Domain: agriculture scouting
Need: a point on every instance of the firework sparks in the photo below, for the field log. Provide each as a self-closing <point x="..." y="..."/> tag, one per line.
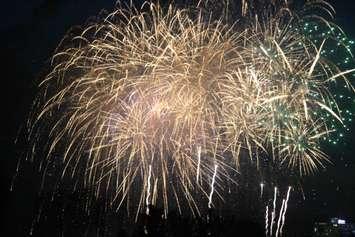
<point x="134" y="95"/>
<point x="212" y="186"/>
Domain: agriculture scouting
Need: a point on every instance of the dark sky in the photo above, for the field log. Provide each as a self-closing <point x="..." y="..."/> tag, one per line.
<point x="30" y="31"/>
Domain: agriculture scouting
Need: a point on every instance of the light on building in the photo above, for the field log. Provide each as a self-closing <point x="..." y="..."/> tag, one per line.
<point x="341" y="222"/>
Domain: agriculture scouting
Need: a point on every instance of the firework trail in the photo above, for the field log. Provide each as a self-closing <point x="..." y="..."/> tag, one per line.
<point x="285" y="209"/>
<point x="147" y="201"/>
<point x="212" y="186"/>
<point x="198" y="164"/>
<point x="273" y="213"/>
<point x="267" y="221"/>
<point x="261" y="190"/>
<point x="280" y="216"/>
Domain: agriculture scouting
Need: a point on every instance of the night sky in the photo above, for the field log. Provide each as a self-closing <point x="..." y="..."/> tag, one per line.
<point x="30" y="32"/>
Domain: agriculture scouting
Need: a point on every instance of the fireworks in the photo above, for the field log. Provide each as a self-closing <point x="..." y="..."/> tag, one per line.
<point x="281" y="219"/>
<point x="155" y="100"/>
